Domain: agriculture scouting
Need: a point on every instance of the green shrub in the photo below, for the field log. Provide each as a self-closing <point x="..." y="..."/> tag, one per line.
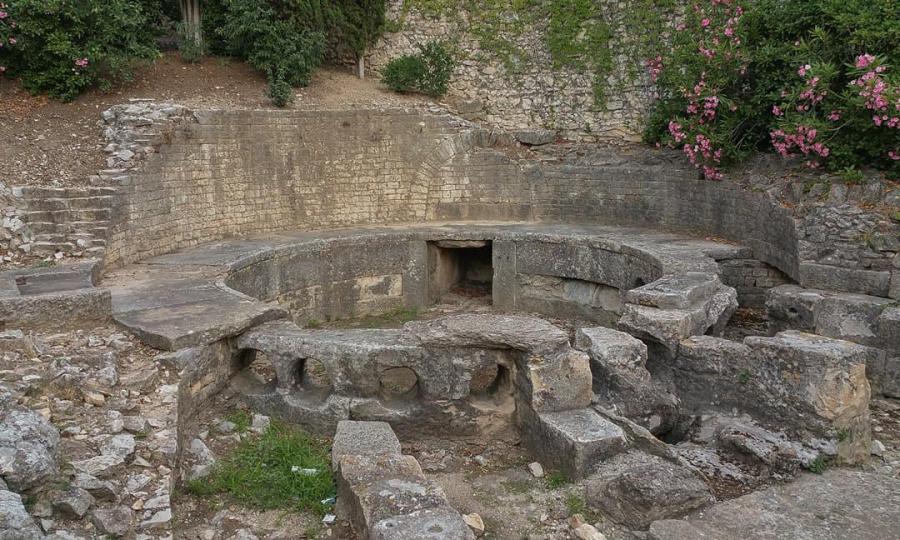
<point x="285" y="52"/>
<point x="404" y="73"/>
<point x="191" y="49"/>
<point x="62" y="47"/>
<point x="428" y="72"/>
<point x="792" y="75"/>
<point x="280" y="92"/>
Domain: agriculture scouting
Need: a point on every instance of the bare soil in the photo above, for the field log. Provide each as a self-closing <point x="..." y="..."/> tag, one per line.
<point x="47" y="142"/>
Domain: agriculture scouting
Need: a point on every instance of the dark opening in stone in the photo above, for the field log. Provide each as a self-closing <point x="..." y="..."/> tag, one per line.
<point x="460" y="270"/>
<point x="258" y="364"/>
<point x="398" y="382"/>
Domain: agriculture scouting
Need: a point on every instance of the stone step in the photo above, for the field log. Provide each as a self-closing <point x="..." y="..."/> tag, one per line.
<point x="71" y="203"/>
<point x="68" y="216"/>
<point x="43" y="192"/>
<point x="94" y="228"/>
<point x="49" y="248"/>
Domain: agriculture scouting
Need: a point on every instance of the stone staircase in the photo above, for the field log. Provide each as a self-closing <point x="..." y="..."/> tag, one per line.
<point x="70" y="220"/>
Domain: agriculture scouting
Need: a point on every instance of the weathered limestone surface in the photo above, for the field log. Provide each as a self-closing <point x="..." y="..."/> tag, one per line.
<point x="15" y="522"/>
<point x="59" y="298"/>
<point x="675" y="307"/>
<point x="384" y="494"/>
<point x="867" y="320"/>
<point x="806" y="383"/>
<point x="573" y="441"/>
<point x="841" y="503"/>
<point x="621" y="379"/>
<point x="28" y="445"/>
<point x="196" y="296"/>
<point x="636" y="490"/>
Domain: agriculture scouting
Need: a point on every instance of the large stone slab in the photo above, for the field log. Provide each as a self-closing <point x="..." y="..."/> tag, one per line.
<point x="194" y="323"/>
<point x="572" y="441"/>
<point x="529" y="334"/>
<point x="692" y="306"/>
<point x="363" y="439"/>
<point x="621" y="380"/>
<point x="837" y="505"/>
<point x="638" y="494"/>
<point x="384" y="494"/>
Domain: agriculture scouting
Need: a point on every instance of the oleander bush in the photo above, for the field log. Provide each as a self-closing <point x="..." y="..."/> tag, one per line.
<point x="62" y="47"/>
<point x="818" y="79"/>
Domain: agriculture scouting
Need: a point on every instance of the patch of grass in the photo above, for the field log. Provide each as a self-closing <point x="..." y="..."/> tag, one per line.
<point x="819" y="465"/>
<point x="556" y="479"/>
<point x="241" y="419"/>
<point x="575" y="504"/>
<point x="744" y="377"/>
<point x="843" y="434"/>
<point x="262" y="472"/>
<point x="517" y="486"/>
<point x="314" y="323"/>
<point x="388" y="319"/>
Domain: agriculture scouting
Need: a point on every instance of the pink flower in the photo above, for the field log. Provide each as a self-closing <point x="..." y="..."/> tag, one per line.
<point x="776" y="110"/>
<point x="705" y="23"/>
<point x="3" y="15"/>
<point x="834" y="116"/>
<point x="864" y="60"/>
<point x="894" y="155"/>
<point x="81" y="62"/>
<point x="12" y="41"/>
<point x="803" y="70"/>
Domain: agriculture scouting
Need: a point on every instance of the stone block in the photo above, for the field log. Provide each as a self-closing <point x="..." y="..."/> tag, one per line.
<point x="555" y="383"/>
<point x="363" y="439"/>
<point x="676" y="291"/>
<point x="668" y="327"/>
<point x="611" y="348"/>
<point x="640" y="495"/>
<point x="572" y="441"/>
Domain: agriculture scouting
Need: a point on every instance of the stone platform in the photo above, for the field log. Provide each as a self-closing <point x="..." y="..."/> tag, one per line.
<point x="216" y="290"/>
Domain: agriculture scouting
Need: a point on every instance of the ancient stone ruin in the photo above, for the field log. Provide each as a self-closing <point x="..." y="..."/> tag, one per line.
<point x="586" y="308"/>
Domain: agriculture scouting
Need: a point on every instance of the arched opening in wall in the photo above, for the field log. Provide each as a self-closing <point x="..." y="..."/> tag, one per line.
<point x="258" y="366"/>
<point x="398" y="383"/>
<point x="460" y="271"/>
<point x="491" y="388"/>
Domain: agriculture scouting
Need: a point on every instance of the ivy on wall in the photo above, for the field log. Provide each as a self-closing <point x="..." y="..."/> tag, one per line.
<point x="585" y="35"/>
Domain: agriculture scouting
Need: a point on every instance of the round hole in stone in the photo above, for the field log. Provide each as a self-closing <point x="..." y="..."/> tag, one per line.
<point x="258" y="364"/>
<point x="311" y="373"/>
<point x="398" y="381"/>
<point x="484" y="378"/>
<point x="489" y="380"/>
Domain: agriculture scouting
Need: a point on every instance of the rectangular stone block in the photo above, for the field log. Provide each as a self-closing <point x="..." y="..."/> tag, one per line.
<point x="363" y="439"/>
<point x="572" y="441"/>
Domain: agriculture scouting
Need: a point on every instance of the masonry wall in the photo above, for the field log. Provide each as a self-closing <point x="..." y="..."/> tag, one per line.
<point x="228" y="174"/>
<point x="534" y="94"/>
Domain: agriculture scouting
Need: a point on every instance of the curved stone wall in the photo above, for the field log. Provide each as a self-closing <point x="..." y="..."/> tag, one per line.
<point x="228" y="174"/>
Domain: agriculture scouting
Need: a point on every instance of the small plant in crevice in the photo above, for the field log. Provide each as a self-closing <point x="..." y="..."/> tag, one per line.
<point x="241" y="421"/>
<point x="280" y="468"/>
<point x="556" y="479"/>
<point x="429" y="71"/>
<point x="744" y="377"/>
<point x="818" y="465"/>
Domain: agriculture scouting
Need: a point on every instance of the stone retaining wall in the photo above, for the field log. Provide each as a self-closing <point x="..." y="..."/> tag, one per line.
<point x="226" y="174"/>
